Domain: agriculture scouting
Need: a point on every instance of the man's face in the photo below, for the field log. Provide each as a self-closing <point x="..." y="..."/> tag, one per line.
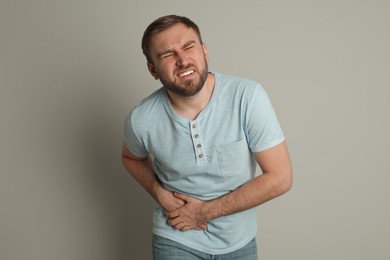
<point x="179" y="60"/>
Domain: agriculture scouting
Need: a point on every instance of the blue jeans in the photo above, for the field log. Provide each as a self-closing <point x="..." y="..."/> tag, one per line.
<point x="165" y="249"/>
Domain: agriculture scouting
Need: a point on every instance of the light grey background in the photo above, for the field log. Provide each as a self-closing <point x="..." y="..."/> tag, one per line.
<point x="71" y="70"/>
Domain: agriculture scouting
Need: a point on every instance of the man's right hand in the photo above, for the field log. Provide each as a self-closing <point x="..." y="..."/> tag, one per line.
<point x="167" y="200"/>
<point x="141" y="168"/>
<point x="169" y="203"/>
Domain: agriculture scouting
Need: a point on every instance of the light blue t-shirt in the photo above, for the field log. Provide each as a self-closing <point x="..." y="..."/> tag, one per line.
<point x="207" y="157"/>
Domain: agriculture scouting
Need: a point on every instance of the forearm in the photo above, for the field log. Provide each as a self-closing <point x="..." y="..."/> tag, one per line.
<point x="254" y="193"/>
<point x="142" y="171"/>
<point x="275" y="180"/>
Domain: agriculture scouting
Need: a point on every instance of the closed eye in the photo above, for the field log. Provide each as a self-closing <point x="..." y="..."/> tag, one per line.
<point x="189" y="45"/>
<point x="166" y="54"/>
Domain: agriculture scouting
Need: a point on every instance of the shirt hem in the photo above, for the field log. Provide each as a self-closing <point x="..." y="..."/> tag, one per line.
<point x="206" y="250"/>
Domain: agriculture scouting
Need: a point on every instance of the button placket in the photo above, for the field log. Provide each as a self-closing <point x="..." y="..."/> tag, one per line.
<point x="196" y="140"/>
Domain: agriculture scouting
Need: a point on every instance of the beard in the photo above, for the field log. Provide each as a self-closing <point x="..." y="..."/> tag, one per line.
<point x="188" y="87"/>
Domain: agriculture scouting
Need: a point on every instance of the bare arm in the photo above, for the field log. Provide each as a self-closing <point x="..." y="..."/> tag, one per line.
<point x="142" y="171"/>
<point x="275" y="180"/>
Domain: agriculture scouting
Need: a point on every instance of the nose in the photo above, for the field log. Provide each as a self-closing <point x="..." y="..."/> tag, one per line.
<point x="181" y="60"/>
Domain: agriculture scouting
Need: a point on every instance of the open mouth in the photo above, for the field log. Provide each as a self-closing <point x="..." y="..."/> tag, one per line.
<point x="186" y="73"/>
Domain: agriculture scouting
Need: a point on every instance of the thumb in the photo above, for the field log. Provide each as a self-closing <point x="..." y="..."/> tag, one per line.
<point x="203" y="227"/>
<point x="182" y="196"/>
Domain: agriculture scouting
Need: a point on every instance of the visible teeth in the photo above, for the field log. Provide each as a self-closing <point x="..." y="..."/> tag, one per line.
<point x="186" y="73"/>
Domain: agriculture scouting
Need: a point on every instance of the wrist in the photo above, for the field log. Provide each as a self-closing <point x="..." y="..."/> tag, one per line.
<point x="157" y="191"/>
<point x="212" y="209"/>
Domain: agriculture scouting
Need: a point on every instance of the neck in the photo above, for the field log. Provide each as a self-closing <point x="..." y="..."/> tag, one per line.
<point x="190" y="107"/>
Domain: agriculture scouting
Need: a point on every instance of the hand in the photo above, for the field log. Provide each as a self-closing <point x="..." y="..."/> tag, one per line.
<point x="168" y="201"/>
<point x="190" y="216"/>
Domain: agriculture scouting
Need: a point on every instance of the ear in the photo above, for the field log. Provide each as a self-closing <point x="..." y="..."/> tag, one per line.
<point x="206" y="53"/>
<point x="152" y="70"/>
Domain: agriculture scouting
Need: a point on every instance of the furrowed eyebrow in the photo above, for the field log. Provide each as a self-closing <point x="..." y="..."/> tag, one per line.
<point x="188" y="44"/>
<point x="170" y="51"/>
<point x="161" y="54"/>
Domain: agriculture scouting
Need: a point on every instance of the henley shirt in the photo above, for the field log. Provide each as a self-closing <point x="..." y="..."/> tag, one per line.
<point x="207" y="157"/>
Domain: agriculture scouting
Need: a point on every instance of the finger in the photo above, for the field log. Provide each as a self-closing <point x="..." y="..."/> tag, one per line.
<point x="186" y="228"/>
<point x="174" y="221"/>
<point x="182" y="197"/>
<point x="179" y="202"/>
<point x="181" y="226"/>
<point x="203" y="227"/>
<point x="172" y="214"/>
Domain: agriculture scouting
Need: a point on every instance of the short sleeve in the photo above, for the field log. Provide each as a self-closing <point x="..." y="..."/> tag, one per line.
<point x="132" y="140"/>
<point x="262" y="127"/>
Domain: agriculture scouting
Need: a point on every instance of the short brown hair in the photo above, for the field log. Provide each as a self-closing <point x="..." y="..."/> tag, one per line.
<point x="162" y="24"/>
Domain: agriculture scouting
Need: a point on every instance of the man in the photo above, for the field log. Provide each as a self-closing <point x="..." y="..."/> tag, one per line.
<point x="194" y="145"/>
